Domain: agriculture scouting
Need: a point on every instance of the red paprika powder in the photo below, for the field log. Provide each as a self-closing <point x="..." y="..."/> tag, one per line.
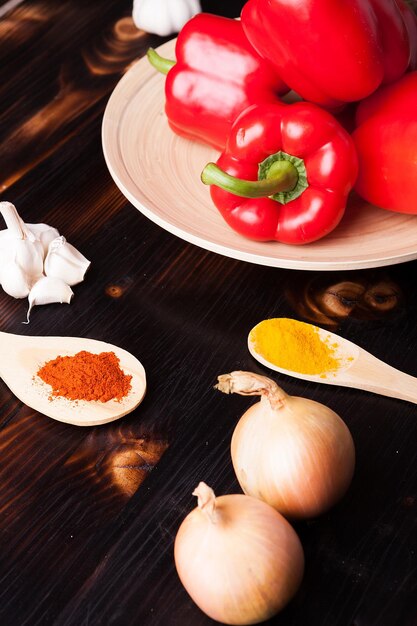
<point x="86" y="376"/>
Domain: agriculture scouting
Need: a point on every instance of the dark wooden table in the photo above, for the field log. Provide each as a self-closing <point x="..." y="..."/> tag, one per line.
<point x="88" y="516"/>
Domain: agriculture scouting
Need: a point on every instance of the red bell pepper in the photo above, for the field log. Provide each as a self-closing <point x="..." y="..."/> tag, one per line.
<point x="217" y="75"/>
<point x="399" y="99"/>
<point x="386" y="143"/>
<point x="330" y="51"/>
<point x="285" y="174"/>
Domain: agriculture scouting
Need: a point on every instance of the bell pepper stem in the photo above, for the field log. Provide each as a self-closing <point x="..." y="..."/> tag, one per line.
<point x="159" y="63"/>
<point x="282" y="176"/>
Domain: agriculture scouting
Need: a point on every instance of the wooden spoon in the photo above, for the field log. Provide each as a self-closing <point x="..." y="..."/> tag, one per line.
<point x="21" y="357"/>
<point x="357" y="368"/>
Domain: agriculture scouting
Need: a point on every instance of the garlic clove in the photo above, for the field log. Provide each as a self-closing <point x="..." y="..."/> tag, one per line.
<point x="29" y="256"/>
<point x="28" y="252"/>
<point x="65" y="261"/>
<point x="43" y="233"/>
<point x="7" y="246"/>
<point x="13" y="280"/>
<point x="48" y="290"/>
<point x="4" y="237"/>
<point x="21" y="255"/>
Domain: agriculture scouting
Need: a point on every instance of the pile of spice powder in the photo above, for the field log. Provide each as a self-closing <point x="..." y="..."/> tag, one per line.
<point x="86" y="376"/>
<point x="294" y="346"/>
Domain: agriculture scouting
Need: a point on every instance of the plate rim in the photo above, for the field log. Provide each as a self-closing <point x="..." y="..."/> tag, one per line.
<point x="109" y="136"/>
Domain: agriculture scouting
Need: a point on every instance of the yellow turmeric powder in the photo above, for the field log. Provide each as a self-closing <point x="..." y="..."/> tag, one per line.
<point x="294" y="346"/>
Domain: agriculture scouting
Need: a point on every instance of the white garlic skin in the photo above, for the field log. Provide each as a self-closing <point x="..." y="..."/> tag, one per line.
<point x="44" y="233"/>
<point x="36" y="261"/>
<point x="13" y="280"/>
<point x="29" y="256"/>
<point x="163" y="17"/>
<point x="65" y="262"/>
<point x="48" y="290"/>
<point x="21" y="265"/>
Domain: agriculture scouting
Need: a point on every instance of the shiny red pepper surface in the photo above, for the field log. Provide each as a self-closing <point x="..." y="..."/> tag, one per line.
<point x="399" y="99"/>
<point x="217" y="75"/>
<point x="386" y="143"/>
<point x="330" y="51"/>
<point x="323" y="154"/>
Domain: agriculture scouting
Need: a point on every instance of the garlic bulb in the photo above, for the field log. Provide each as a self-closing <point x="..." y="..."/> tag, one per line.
<point x="31" y="252"/>
<point x="22" y="254"/>
<point x="238" y="558"/>
<point x="163" y="17"/>
<point x="294" y="453"/>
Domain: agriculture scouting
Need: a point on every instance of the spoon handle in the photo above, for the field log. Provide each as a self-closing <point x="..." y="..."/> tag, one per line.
<point x="5" y="347"/>
<point x="374" y="375"/>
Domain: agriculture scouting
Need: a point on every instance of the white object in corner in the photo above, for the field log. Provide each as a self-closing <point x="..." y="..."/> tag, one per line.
<point x="163" y="17"/>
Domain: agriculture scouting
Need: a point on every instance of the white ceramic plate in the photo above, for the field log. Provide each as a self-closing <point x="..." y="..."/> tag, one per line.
<point x="159" y="173"/>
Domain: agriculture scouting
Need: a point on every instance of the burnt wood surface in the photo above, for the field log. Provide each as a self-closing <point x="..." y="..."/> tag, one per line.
<point x="88" y="516"/>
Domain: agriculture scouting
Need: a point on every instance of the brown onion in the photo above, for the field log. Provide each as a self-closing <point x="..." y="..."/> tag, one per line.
<point x="294" y="453"/>
<point x="238" y="558"/>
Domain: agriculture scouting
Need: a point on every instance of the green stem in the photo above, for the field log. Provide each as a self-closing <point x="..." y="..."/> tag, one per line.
<point x="159" y="63"/>
<point x="282" y="176"/>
